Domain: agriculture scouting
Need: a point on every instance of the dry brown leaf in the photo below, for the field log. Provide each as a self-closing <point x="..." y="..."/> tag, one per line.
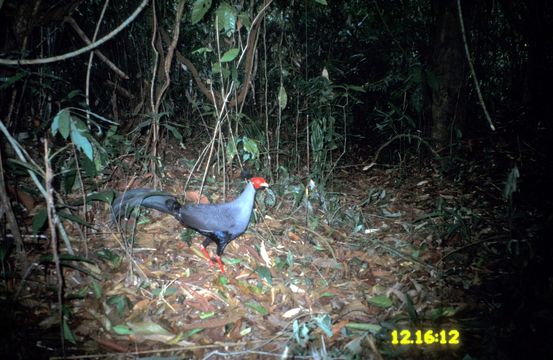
<point x="338" y="327"/>
<point x="231" y="317"/>
<point x="194" y="197"/>
<point x="326" y="263"/>
<point x="293" y="236"/>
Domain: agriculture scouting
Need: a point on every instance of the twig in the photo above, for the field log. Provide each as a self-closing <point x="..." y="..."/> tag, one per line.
<point x="170" y="54"/>
<point x="408" y="136"/>
<point x="473" y="73"/>
<point x="87" y="41"/>
<point x="20" y="154"/>
<point x="50" y="208"/>
<point x="324" y="239"/>
<point x="81" y="50"/>
<point x="400" y="253"/>
<point x="12" y="221"/>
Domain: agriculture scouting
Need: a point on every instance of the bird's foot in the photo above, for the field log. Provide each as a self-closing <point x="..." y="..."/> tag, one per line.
<point x="220" y="264"/>
<point x="204" y="251"/>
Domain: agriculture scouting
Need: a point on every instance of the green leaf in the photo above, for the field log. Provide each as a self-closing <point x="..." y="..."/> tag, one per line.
<point x="232" y="151"/>
<point x="105" y="196"/>
<point x="372" y="328"/>
<point x="264" y="274"/>
<point x="97" y="288"/>
<point x="122" y="329"/>
<point x="170" y="291"/>
<point x="207" y="314"/>
<point x="324" y="322"/>
<point x="356" y="88"/>
<point x="250" y="146"/>
<point x="81" y="142"/>
<point x="193" y="332"/>
<point x="245" y="19"/>
<point x="176" y="134"/>
<point x="327" y="294"/>
<point x="65" y="123"/>
<point x="223" y="280"/>
<point x="226" y="16"/>
<point x="282" y="98"/>
<point x="39" y="220"/>
<point x="120" y="302"/>
<point x="259" y="308"/>
<point x="230" y="55"/>
<point x="202" y="50"/>
<point x="199" y="9"/>
<point x="322" y="2"/>
<point x="381" y="301"/>
<point x="75" y="218"/>
<point x="61" y="123"/>
<point x="68" y="334"/>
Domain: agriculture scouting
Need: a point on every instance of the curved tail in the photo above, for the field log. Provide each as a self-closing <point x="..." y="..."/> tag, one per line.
<point x="149" y="198"/>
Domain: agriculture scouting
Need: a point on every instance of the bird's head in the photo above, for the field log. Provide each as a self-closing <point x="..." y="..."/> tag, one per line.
<point x="259" y="183"/>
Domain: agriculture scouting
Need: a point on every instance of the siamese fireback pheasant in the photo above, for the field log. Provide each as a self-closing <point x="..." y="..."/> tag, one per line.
<point x="219" y="223"/>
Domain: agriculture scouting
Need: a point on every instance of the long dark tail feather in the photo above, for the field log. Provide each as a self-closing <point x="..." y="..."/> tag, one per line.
<point x="149" y="198"/>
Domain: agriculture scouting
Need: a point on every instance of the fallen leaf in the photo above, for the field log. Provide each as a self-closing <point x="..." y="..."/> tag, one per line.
<point x="291" y="313"/>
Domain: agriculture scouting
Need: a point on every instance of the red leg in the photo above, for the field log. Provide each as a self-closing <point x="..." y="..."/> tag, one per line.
<point x="220" y="264"/>
<point x="204" y="251"/>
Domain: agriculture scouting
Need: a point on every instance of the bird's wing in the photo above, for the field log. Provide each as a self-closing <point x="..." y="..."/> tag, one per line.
<point x="208" y="218"/>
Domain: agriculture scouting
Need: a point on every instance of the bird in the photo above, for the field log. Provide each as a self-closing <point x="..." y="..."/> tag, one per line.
<point x="219" y="223"/>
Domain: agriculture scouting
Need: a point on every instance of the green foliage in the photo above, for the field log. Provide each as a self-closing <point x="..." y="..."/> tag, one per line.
<point x="121" y="303"/>
<point x="229" y="55"/>
<point x="381" y="301"/>
<point x="111" y="257"/>
<point x="246" y="148"/>
<point x="199" y="9"/>
<point x="226" y="16"/>
<point x="67" y="333"/>
<point x="264" y="274"/>
<point x="282" y="98"/>
<point x="511" y="183"/>
<point x="303" y="332"/>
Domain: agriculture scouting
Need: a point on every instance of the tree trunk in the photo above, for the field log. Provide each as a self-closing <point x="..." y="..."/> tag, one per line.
<point x="449" y="69"/>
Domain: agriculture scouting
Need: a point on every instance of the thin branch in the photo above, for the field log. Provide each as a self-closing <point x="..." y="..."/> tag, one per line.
<point x="170" y="54"/>
<point x="100" y="54"/>
<point x="401" y="136"/>
<point x="92" y="46"/>
<point x="11" y="220"/>
<point x="473" y="73"/>
<point x="52" y="219"/>
<point x="20" y="154"/>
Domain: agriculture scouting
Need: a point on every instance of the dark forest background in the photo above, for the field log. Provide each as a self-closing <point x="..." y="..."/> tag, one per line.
<point x="297" y="91"/>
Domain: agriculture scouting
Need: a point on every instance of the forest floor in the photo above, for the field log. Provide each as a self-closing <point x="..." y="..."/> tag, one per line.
<point x="382" y="251"/>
